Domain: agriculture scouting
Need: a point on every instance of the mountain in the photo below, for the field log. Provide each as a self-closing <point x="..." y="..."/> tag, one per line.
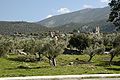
<point x="87" y="27"/>
<point x="84" y="20"/>
<point x="83" y="16"/>
<point x="20" y="27"/>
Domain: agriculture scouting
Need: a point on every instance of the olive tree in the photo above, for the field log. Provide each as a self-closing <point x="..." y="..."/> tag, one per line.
<point x="34" y="47"/>
<point x="116" y="48"/>
<point x="79" y="41"/>
<point x="5" y="47"/>
<point x="51" y="50"/>
<point x="93" y="50"/>
<point x="113" y="53"/>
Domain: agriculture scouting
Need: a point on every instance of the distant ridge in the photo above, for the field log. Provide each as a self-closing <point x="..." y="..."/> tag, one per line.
<point x="82" y="16"/>
<point x="11" y="27"/>
<point x="84" y="20"/>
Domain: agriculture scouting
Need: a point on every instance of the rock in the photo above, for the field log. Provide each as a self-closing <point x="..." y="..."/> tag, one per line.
<point x="71" y="63"/>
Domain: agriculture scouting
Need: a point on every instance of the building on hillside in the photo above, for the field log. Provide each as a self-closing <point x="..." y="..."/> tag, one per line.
<point x="97" y="31"/>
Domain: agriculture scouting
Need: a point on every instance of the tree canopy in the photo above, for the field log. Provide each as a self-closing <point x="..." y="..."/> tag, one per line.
<point x="114" y="15"/>
<point x="79" y="41"/>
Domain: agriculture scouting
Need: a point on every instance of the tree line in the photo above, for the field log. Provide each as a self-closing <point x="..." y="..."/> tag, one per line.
<point x="50" y="48"/>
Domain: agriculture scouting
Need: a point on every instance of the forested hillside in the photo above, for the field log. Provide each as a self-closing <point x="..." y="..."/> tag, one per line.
<point x="20" y="27"/>
<point x="88" y="27"/>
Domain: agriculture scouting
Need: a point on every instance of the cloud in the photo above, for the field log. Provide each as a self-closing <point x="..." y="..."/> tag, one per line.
<point x="63" y="10"/>
<point x="49" y="16"/>
<point x="104" y="1"/>
<point x="87" y="6"/>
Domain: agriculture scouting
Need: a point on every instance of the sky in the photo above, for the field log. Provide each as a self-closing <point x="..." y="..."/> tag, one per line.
<point x="36" y="10"/>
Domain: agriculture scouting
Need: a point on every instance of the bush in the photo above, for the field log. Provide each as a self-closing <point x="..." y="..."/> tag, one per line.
<point x="5" y="47"/>
<point x="28" y="58"/>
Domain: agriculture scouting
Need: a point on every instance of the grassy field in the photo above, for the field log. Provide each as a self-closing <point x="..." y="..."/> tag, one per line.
<point x="66" y="65"/>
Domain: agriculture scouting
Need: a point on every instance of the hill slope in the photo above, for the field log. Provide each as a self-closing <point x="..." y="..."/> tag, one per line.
<point x="88" y="27"/>
<point x="21" y="27"/>
<point x="85" y="20"/>
<point x="82" y="16"/>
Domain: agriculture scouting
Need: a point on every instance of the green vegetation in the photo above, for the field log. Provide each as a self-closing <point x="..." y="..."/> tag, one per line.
<point x="29" y="51"/>
<point x="51" y="50"/>
<point x="10" y="28"/>
<point x="115" y="13"/>
<point x="35" y="56"/>
<point x="79" y="41"/>
<point x="86" y="27"/>
<point x="99" y="65"/>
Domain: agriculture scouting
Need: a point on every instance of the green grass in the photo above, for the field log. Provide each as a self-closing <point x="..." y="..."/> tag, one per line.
<point x="98" y="65"/>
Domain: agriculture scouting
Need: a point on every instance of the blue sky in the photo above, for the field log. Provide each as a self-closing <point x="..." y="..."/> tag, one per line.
<point x="36" y="10"/>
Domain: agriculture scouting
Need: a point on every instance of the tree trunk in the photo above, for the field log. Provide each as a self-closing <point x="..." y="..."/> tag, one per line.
<point x="112" y="56"/>
<point x="90" y="58"/>
<point x="40" y="57"/>
<point x="50" y="62"/>
<point x="54" y="61"/>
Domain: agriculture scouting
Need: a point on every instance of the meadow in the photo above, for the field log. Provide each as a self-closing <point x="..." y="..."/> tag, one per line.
<point x="66" y="65"/>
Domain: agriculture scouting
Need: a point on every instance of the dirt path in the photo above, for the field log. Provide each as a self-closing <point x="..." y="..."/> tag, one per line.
<point x="68" y="77"/>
